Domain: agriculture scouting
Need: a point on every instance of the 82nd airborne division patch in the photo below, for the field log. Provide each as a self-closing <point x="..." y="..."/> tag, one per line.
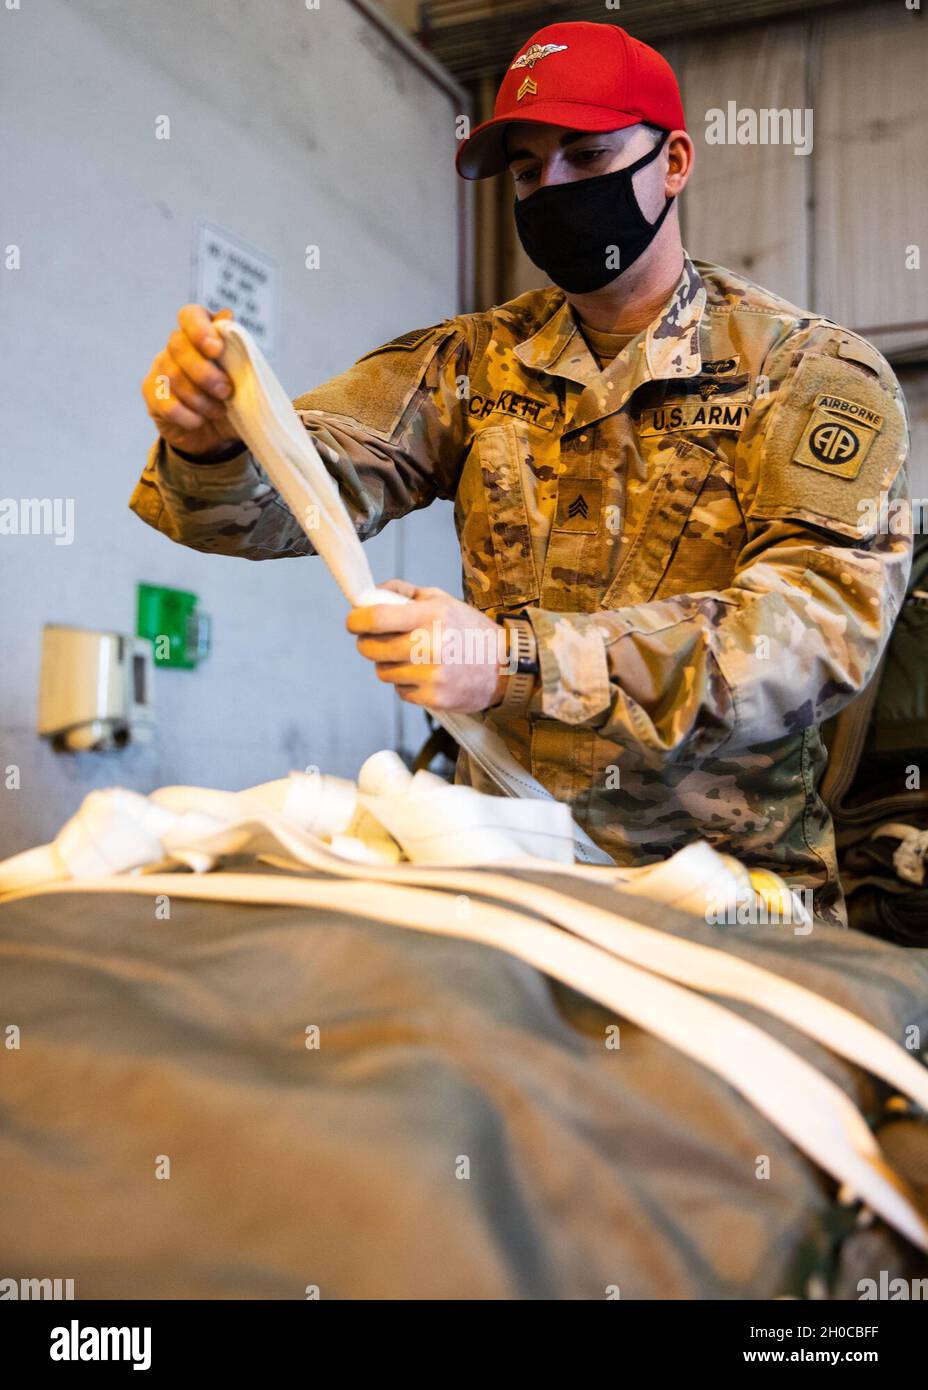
<point x="838" y="436"/>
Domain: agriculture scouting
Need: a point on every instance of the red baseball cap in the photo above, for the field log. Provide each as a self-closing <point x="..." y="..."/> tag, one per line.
<point x="581" y="75"/>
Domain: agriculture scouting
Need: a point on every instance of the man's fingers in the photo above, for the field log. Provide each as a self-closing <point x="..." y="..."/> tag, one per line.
<point x="401" y="586"/>
<point x="403" y="673"/>
<point x="389" y="617"/>
<point x="413" y="695"/>
<point x="187" y="391"/>
<point x="387" y="647"/>
<point x="170" y="407"/>
<point x="172" y="412"/>
<point x="205" y="374"/>
<point x="197" y="323"/>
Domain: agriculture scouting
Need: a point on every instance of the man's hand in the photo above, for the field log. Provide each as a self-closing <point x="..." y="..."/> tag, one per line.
<point x="436" y="650"/>
<point x="186" y="391"/>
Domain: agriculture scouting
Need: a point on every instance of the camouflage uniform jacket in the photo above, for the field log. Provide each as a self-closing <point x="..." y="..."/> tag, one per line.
<point x="695" y="534"/>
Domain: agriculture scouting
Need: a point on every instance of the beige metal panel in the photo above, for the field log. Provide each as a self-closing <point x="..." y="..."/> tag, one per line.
<point x="746" y="204"/>
<point x="871" y="109"/>
<point x="403" y="12"/>
<point x="474" y="38"/>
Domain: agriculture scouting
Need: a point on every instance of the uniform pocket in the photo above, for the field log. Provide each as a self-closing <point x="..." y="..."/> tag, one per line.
<point x="682" y="467"/>
<point x="492" y="523"/>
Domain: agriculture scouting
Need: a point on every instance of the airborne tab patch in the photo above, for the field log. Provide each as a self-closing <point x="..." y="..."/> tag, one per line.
<point x="838" y="436"/>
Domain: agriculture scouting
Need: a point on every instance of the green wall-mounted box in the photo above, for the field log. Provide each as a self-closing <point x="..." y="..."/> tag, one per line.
<point x="177" y="630"/>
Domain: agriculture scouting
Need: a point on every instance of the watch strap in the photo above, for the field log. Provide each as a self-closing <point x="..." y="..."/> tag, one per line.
<point x="523" y="666"/>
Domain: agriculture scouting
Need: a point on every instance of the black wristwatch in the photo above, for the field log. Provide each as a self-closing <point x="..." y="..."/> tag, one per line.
<point x="520" y="679"/>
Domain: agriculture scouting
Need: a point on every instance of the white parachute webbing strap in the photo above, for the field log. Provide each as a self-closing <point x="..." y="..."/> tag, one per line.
<point x="117" y="831"/>
<point x="689" y="963"/>
<point x="805" y="1105"/>
<point x="264" y="417"/>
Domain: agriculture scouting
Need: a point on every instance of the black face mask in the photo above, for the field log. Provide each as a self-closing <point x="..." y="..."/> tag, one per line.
<point x="568" y="228"/>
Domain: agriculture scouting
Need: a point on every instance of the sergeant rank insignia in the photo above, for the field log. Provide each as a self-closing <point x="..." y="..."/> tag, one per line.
<point x="579" y="503"/>
<point x="528" y="59"/>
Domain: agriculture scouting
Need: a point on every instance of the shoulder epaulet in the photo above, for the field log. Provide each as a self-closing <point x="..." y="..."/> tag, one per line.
<point x="376" y="394"/>
<point x="858" y="350"/>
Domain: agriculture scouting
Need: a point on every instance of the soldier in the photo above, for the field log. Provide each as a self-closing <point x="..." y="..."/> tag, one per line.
<point x="664" y="480"/>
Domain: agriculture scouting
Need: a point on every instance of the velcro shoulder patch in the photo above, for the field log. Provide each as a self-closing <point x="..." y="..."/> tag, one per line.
<point x="377" y="390"/>
<point x="833" y="442"/>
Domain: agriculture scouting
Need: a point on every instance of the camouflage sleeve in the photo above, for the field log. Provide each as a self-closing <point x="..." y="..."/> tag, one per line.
<point x="818" y="583"/>
<point x="390" y="430"/>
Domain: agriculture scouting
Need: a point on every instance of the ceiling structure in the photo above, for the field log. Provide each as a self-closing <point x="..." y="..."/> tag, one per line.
<point x="477" y="38"/>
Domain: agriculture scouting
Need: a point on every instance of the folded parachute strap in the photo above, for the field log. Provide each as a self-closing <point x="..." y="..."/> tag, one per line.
<point x="116" y="831"/>
<point x="264" y="417"/>
<point x="701" y="967"/>
<point x="198" y="826"/>
<point x="804" y="1104"/>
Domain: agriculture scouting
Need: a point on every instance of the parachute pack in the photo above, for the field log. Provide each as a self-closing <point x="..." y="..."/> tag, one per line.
<point x="876" y="783"/>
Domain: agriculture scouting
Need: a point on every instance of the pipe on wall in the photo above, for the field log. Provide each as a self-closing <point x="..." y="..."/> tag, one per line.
<point x="436" y="74"/>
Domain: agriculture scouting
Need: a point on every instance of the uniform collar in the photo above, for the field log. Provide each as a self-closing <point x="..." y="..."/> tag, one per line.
<point x="668" y="349"/>
<point x="546" y="350"/>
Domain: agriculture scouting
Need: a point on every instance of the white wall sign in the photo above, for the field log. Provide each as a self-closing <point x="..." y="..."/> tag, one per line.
<point x="230" y="274"/>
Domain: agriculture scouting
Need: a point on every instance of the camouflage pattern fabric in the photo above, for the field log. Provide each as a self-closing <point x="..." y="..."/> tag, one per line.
<point x="697" y="532"/>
